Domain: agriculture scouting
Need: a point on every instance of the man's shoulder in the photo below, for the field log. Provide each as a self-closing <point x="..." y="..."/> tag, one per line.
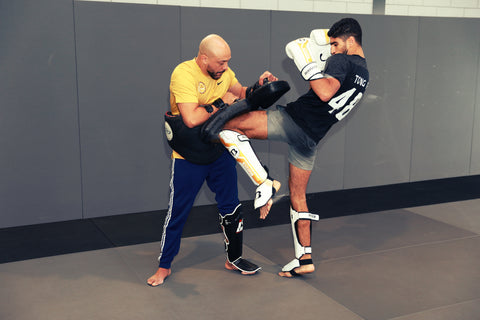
<point x="345" y="63"/>
<point x="358" y="60"/>
<point x="185" y="72"/>
<point x="185" y="66"/>
<point x="346" y="58"/>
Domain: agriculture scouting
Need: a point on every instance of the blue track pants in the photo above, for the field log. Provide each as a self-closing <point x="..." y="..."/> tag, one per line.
<point x="185" y="183"/>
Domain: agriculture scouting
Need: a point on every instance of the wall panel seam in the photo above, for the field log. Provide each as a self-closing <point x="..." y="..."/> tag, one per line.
<point x="82" y="198"/>
<point x="476" y="104"/>
<point x="414" y="103"/>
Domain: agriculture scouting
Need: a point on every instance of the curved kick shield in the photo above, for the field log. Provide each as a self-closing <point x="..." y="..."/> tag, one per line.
<point x="212" y="127"/>
<point x="188" y="143"/>
<point x="263" y="97"/>
<point x="268" y="94"/>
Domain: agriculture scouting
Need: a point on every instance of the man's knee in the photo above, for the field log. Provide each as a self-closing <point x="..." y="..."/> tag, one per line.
<point x="235" y="124"/>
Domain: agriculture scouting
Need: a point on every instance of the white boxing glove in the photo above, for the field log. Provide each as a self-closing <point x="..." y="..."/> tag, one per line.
<point x="320" y="47"/>
<point x="300" y="52"/>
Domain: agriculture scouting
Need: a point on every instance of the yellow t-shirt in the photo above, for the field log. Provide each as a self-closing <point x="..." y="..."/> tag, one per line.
<point x="188" y="84"/>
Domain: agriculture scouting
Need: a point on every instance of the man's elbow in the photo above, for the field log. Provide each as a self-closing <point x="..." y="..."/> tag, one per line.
<point x="325" y="97"/>
<point x="191" y="123"/>
<point x="326" y="88"/>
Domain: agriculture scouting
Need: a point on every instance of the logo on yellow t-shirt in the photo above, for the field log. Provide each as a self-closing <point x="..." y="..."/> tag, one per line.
<point x="201" y="87"/>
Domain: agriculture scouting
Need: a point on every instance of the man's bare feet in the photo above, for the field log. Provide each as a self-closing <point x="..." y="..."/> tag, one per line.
<point x="230" y="266"/>
<point x="303" y="269"/>
<point x="266" y="208"/>
<point x="159" y="277"/>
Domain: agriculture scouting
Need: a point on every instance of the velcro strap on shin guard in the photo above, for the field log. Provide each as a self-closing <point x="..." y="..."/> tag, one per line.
<point x="308" y="216"/>
<point x="215" y="123"/>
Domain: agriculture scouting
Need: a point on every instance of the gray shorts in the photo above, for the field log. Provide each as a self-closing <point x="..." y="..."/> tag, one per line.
<point x="302" y="149"/>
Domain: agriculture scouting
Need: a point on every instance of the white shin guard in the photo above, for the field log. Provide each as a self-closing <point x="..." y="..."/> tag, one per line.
<point x="299" y="249"/>
<point x="263" y="193"/>
<point x="239" y="147"/>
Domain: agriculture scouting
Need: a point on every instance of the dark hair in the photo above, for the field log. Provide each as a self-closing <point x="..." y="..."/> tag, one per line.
<point x="346" y="28"/>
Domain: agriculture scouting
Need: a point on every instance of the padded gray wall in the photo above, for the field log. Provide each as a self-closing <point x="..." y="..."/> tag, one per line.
<point x="125" y="53"/>
<point x="379" y="133"/>
<point x="39" y="152"/>
<point x="99" y="149"/>
<point x="475" y="161"/>
<point x="445" y="94"/>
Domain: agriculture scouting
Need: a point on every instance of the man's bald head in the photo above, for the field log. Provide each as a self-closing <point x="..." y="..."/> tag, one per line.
<point x="214" y="46"/>
<point x="213" y="56"/>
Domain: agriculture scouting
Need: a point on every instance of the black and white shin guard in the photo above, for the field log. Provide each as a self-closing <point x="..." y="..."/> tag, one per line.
<point x="232" y="226"/>
<point x="299" y="249"/>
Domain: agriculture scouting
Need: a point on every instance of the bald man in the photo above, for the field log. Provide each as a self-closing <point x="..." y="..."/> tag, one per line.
<point x="199" y="88"/>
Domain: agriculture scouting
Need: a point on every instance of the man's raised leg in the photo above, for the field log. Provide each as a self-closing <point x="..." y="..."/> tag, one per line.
<point x="236" y="133"/>
<point x="239" y="147"/>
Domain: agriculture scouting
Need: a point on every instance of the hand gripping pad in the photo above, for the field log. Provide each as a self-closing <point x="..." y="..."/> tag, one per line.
<point x="263" y="97"/>
<point x="212" y="127"/>
<point x="268" y="94"/>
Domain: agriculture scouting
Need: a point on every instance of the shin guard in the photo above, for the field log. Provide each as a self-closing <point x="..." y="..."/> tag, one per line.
<point x="300" y="250"/>
<point x="232" y="226"/>
<point x="239" y="147"/>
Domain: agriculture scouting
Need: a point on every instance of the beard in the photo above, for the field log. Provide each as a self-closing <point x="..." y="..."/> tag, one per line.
<point x="215" y="75"/>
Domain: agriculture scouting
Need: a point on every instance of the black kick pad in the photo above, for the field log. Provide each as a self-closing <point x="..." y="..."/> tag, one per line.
<point x="268" y="94"/>
<point x="263" y="97"/>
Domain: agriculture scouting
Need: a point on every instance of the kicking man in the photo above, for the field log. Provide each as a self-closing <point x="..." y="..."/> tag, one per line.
<point x="336" y="86"/>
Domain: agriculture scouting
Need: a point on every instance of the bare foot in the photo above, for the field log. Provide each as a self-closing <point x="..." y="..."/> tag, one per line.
<point x="159" y="277"/>
<point x="266" y="208"/>
<point x="230" y="266"/>
<point x="305" y="269"/>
